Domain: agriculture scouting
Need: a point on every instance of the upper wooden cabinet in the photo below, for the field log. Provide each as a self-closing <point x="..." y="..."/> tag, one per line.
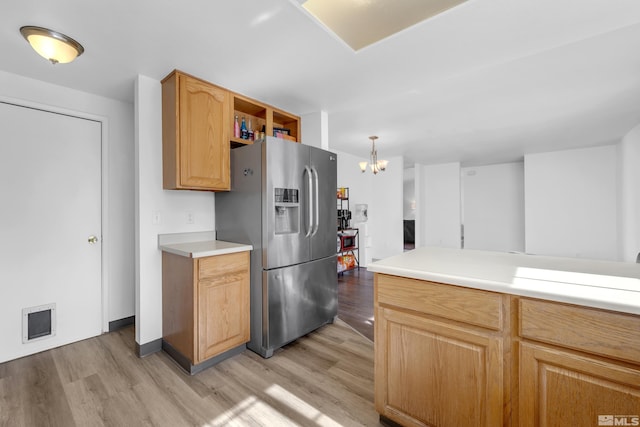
<point x="197" y="131"/>
<point x="195" y="134"/>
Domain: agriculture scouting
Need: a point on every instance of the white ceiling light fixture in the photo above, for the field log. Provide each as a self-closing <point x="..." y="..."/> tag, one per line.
<point x="376" y="165"/>
<point x="56" y="47"/>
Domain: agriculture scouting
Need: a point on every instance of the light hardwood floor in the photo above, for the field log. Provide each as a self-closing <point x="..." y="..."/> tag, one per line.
<point x="322" y="379"/>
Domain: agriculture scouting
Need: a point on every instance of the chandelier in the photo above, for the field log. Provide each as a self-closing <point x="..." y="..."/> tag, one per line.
<point x="376" y="165"/>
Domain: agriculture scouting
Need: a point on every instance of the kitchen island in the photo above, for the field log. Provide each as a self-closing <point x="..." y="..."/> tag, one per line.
<point x="466" y="337"/>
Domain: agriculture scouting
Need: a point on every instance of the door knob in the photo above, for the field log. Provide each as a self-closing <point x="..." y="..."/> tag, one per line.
<point x="92" y="239"/>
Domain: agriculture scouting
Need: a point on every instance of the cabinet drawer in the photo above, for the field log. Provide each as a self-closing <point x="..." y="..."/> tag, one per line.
<point x="591" y="330"/>
<point x="222" y="264"/>
<point x="476" y="307"/>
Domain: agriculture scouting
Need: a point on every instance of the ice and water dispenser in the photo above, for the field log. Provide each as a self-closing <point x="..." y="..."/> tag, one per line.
<point x="287" y="215"/>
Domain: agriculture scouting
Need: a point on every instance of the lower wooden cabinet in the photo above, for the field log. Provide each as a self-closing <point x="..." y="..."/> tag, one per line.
<point x="450" y="356"/>
<point x="578" y="365"/>
<point x="432" y="373"/>
<point x="223" y="304"/>
<point x="205" y="305"/>
<point x="560" y="388"/>
<point x="447" y="369"/>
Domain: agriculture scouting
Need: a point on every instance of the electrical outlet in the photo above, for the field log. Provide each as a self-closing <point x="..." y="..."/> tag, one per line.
<point x="156" y="218"/>
<point x="191" y="219"/>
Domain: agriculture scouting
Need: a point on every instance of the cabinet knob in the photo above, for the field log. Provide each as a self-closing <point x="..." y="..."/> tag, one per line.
<point x="92" y="239"/>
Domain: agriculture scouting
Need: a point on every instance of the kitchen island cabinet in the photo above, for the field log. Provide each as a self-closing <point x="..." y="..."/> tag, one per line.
<point x="453" y="355"/>
<point x="577" y="364"/>
<point x="441" y="353"/>
<point x="480" y="338"/>
<point x="205" y="303"/>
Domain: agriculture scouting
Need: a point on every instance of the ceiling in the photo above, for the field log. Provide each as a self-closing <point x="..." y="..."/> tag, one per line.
<point x="484" y="82"/>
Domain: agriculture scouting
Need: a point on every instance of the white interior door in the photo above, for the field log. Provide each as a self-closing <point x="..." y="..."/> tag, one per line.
<point x="50" y="192"/>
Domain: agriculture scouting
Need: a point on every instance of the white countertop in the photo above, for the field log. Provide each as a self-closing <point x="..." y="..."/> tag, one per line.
<point x="602" y="284"/>
<point x="198" y="245"/>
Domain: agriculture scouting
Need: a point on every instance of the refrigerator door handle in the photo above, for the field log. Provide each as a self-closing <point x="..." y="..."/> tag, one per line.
<point x="316" y="223"/>
<point x="311" y="201"/>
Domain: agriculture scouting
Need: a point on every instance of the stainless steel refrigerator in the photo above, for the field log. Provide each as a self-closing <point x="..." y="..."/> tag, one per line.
<point x="282" y="201"/>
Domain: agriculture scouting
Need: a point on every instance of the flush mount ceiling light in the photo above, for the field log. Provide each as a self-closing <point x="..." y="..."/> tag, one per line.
<point x="52" y="45"/>
<point x="376" y="165"/>
<point x="360" y="23"/>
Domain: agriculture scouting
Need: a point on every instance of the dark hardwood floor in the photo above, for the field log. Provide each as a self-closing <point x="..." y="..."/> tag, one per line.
<point x="355" y="300"/>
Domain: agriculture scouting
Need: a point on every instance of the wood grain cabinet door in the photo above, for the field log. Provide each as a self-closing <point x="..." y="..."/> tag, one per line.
<point x="223" y="305"/>
<point x="437" y="374"/>
<point x="562" y="388"/>
<point x="203" y="135"/>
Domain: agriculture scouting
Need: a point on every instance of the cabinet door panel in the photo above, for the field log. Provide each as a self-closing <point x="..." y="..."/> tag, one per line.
<point x="559" y="388"/>
<point x="204" y="135"/>
<point x="223" y="314"/>
<point x="438" y="374"/>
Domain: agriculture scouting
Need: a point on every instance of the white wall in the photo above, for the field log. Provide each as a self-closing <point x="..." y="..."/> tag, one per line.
<point x="629" y="160"/>
<point x="359" y="185"/>
<point x="171" y="205"/>
<point x="385" y="210"/>
<point x="315" y="129"/>
<point x="382" y="235"/>
<point x="438" y="205"/>
<point x="118" y="233"/>
<point x="409" y="194"/>
<point x="493" y="207"/>
<point x="571" y="206"/>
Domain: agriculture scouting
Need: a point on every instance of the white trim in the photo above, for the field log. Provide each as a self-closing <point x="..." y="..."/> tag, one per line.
<point x="104" y="216"/>
<point x="104" y="123"/>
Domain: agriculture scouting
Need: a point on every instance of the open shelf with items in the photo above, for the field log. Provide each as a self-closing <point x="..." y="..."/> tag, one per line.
<point x="255" y="115"/>
<point x="262" y="118"/>
<point x="348" y="238"/>
<point x="348" y="252"/>
<point x="287" y="125"/>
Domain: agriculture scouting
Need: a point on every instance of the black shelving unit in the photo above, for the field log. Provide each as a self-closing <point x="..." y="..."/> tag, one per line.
<point x="348" y="238"/>
<point x="344" y="214"/>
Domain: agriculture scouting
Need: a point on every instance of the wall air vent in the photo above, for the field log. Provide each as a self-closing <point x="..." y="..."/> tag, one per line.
<point x="38" y="322"/>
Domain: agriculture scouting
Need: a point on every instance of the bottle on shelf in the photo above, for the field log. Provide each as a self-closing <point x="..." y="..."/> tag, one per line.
<point x="243" y="130"/>
<point x="250" y="131"/>
<point x="236" y="128"/>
